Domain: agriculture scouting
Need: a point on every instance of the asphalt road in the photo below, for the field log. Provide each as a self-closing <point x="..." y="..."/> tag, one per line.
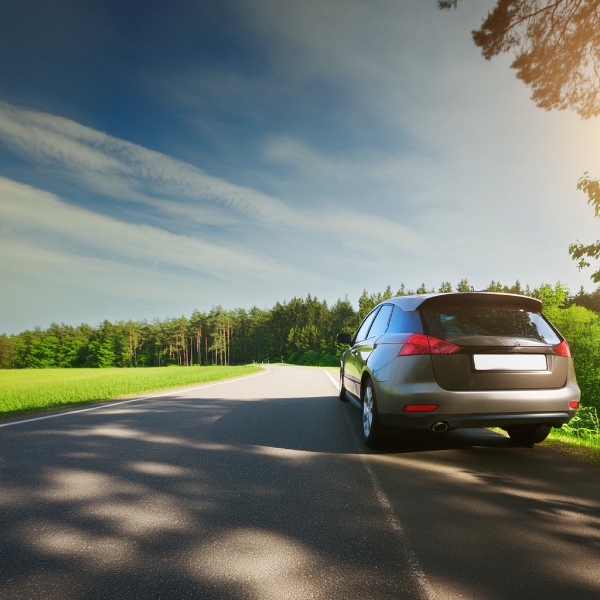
<point x="259" y="488"/>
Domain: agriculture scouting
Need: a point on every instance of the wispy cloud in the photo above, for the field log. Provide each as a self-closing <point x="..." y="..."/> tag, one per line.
<point x="35" y="215"/>
<point x="48" y="270"/>
<point x="124" y="170"/>
<point x="121" y="167"/>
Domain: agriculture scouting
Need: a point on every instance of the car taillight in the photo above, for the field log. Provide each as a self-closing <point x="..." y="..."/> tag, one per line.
<point x="563" y="349"/>
<point x="421" y="407"/>
<point x="442" y="346"/>
<point x="418" y="343"/>
<point x="574" y="404"/>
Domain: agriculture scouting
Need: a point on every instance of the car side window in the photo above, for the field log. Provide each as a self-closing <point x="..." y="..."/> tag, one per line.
<point x="380" y="324"/>
<point x="364" y="328"/>
<point x="402" y="321"/>
<point x="396" y="321"/>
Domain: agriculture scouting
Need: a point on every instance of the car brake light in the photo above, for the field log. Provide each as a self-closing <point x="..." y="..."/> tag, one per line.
<point x="418" y="343"/>
<point x="574" y="404"/>
<point x="563" y="349"/>
<point x="442" y="346"/>
<point x="421" y="407"/>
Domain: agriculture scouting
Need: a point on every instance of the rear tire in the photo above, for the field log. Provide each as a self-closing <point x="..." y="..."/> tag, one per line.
<point x="528" y="435"/>
<point x="372" y="429"/>
<point x="342" y="388"/>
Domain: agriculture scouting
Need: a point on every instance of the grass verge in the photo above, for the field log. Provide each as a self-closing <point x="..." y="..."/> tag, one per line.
<point x="28" y="391"/>
<point x="579" y="439"/>
<point x="582" y="449"/>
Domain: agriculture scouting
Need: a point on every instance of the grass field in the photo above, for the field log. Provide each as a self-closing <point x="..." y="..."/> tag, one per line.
<point x="25" y="391"/>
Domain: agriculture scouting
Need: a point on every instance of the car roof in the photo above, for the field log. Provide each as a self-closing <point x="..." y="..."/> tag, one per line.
<point x="495" y="298"/>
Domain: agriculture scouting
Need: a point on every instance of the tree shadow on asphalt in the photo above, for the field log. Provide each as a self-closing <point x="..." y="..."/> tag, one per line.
<point x="284" y="424"/>
<point x="262" y="499"/>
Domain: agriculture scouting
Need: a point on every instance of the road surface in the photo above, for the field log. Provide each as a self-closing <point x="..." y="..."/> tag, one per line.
<point x="258" y="488"/>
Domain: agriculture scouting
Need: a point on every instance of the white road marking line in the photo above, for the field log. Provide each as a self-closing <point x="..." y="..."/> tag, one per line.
<point x="409" y="556"/>
<point x="111" y="404"/>
<point x="330" y="377"/>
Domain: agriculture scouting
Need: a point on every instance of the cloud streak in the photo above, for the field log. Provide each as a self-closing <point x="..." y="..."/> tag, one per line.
<point x="38" y="216"/>
<point x="127" y="171"/>
<point x="97" y="156"/>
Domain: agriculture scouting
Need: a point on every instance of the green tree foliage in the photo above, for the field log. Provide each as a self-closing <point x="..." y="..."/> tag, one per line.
<point x="463" y="286"/>
<point x="591" y="301"/>
<point x="553" y="298"/>
<point x="556" y="44"/>
<point x="496" y="286"/>
<point x="581" y="329"/>
<point x="6" y="352"/>
<point x="581" y="252"/>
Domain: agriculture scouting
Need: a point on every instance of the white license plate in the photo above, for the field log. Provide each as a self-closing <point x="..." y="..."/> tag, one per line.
<point x="510" y="362"/>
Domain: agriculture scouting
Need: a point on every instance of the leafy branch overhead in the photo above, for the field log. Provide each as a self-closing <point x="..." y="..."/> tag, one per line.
<point x="578" y="251"/>
<point x="556" y="45"/>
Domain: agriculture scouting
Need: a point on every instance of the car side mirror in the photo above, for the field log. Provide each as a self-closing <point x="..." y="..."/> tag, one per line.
<point x="344" y="338"/>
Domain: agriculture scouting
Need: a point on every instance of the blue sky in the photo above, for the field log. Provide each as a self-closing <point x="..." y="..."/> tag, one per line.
<point x="159" y="157"/>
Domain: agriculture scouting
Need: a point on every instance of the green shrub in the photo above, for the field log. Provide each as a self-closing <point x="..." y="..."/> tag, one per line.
<point x="581" y="328"/>
<point x="585" y="424"/>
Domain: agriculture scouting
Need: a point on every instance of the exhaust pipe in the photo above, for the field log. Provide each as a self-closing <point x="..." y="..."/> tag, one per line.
<point x="439" y="427"/>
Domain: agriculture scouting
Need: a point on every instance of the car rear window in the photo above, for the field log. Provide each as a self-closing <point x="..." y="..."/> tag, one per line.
<point x="452" y="321"/>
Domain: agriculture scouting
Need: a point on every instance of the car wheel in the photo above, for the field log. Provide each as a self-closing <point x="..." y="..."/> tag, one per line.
<point x="372" y="428"/>
<point x="528" y="435"/>
<point x="342" y="388"/>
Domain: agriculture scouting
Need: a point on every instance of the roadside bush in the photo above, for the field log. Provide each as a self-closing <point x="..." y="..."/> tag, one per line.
<point x="581" y="328"/>
<point x="329" y="360"/>
<point x="313" y="358"/>
<point x="585" y="424"/>
<point x="309" y="358"/>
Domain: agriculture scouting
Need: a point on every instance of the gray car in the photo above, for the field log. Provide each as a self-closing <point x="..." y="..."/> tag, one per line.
<point x="445" y="361"/>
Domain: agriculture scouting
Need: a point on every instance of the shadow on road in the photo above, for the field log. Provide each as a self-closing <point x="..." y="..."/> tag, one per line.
<point x="284" y="423"/>
<point x="219" y="498"/>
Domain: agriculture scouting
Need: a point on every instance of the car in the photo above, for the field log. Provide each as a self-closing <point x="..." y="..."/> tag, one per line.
<point x="453" y="360"/>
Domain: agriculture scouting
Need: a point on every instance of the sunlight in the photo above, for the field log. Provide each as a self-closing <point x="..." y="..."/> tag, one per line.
<point x="99" y="552"/>
<point x="264" y="563"/>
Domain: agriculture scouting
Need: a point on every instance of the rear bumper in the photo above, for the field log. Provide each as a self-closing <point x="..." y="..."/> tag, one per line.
<point x="424" y="421"/>
<point x="467" y="408"/>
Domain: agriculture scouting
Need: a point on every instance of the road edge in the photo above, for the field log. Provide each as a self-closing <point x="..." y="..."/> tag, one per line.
<point x="111" y="403"/>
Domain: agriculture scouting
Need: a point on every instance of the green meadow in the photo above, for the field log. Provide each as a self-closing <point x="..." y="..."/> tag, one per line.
<point x="25" y="391"/>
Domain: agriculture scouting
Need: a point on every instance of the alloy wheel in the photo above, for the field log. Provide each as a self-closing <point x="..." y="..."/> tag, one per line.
<point x="368" y="411"/>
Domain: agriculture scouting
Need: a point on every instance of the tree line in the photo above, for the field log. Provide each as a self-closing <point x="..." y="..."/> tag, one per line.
<point x="301" y="331"/>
